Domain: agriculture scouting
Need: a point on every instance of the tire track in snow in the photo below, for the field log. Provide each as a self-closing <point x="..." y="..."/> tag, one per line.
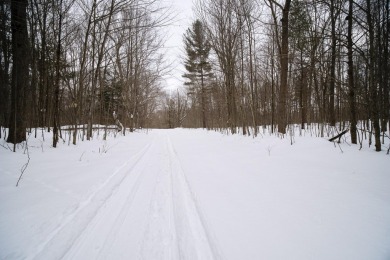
<point x="188" y="215"/>
<point x="188" y="235"/>
<point x="68" y="230"/>
<point x="107" y="223"/>
<point x="160" y="237"/>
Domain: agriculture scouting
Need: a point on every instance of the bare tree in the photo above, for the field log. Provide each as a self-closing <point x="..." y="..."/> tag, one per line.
<point x="283" y="54"/>
<point x="56" y="112"/>
<point x="5" y="62"/>
<point x="221" y="19"/>
<point x="351" y="82"/>
<point x="20" y="65"/>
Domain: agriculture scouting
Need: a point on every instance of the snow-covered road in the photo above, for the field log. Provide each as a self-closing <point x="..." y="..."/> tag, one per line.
<point x="194" y="194"/>
<point x="145" y="210"/>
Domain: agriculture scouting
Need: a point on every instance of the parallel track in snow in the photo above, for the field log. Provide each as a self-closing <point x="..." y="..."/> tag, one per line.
<point x="176" y="225"/>
<point x="108" y="222"/>
<point x="196" y="238"/>
<point x="68" y="232"/>
<point x="145" y="210"/>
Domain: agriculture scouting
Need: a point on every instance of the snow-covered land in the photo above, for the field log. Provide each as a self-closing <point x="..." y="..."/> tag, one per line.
<point x="194" y="194"/>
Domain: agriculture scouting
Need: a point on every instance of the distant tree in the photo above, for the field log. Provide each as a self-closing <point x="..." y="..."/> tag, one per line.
<point x="197" y="62"/>
<point x="175" y="106"/>
<point x="373" y="74"/>
<point x="283" y="54"/>
<point x="351" y="82"/>
<point x="17" y="129"/>
<point x="5" y="61"/>
<point x="284" y="70"/>
<point x="56" y="113"/>
<point x="223" y="31"/>
<point x="334" y="14"/>
<point x="299" y="34"/>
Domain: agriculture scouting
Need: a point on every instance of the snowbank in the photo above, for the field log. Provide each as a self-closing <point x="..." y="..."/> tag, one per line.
<point x="231" y="197"/>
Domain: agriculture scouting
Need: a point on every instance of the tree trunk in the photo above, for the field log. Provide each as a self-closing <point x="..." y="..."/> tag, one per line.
<point x="56" y="108"/>
<point x="203" y="97"/>
<point x="96" y="73"/>
<point x="17" y="128"/>
<point x="80" y="94"/>
<point x="351" y="84"/>
<point x="385" y="70"/>
<point x="372" y="80"/>
<point x="332" y="117"/>
<point x="4" y="67"/>
<point x="282" y="111"/>
<point x="302" y="93"/>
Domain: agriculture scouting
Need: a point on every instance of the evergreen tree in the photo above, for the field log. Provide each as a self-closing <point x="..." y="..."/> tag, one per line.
<point x="197" y="63"/>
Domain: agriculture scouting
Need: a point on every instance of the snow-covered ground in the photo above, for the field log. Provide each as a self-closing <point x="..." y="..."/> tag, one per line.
<point x="194" y="194"/>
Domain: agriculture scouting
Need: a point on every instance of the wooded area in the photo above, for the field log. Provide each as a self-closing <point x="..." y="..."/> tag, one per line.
<point x="78" y="63"/>
<point x="249" y="63"/>
<point x="279" y="63"/>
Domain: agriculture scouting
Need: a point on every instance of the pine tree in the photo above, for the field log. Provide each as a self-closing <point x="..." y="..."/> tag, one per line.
<point x="197" y="63"/>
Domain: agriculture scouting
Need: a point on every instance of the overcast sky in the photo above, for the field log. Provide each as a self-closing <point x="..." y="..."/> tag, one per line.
<point x="174" y="44"/>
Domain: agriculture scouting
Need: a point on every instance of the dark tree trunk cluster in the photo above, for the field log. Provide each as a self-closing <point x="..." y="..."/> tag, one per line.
<point x="73" y="63"/>
<point x="20" y="79"/>
<point x="299" y="62"/>
<point x="271" y="63"/>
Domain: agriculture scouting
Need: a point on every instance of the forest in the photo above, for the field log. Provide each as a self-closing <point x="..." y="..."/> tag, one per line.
<point x="249" y="64"/>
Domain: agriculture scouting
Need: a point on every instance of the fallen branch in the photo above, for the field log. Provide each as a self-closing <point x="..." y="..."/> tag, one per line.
<point x="93" y="128"/>
<point x="24" y="167"/>
<point x="6" y="146"/>
<point x="81" y="156"/>
<point x="338" y="136"/>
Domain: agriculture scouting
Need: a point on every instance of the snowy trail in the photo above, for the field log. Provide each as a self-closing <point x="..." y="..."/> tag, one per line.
<point x="195" y="194"/>
<point x="145" y="210"/>
<point x="194" y="231"/>
<point x="89" y="211"/>
<point x="176" y="224"/>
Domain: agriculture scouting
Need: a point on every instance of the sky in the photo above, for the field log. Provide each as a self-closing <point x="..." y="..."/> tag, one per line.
<point x="174" y="49"/>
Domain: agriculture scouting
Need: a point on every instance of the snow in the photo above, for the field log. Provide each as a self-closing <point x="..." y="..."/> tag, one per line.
<point x="194" y="194"/>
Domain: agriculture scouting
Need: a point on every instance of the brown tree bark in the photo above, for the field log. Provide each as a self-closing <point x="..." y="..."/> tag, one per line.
<point x="332" y="117"/>
<point x="284" y="71"/>
<point x="20" y="81"/>
<point x="56" y="108"/>
<point x="5" y="55"/>
<point x="372" y="79"/>
<point x="385" y="68"/>
<point x="283" y="52"/>
<point x="351" y="83"/>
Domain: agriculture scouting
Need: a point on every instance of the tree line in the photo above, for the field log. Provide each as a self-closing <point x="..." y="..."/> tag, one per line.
<point x="278" y="63"/>
<point x="79" y="63"/>
<point x="249" y="63"/>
